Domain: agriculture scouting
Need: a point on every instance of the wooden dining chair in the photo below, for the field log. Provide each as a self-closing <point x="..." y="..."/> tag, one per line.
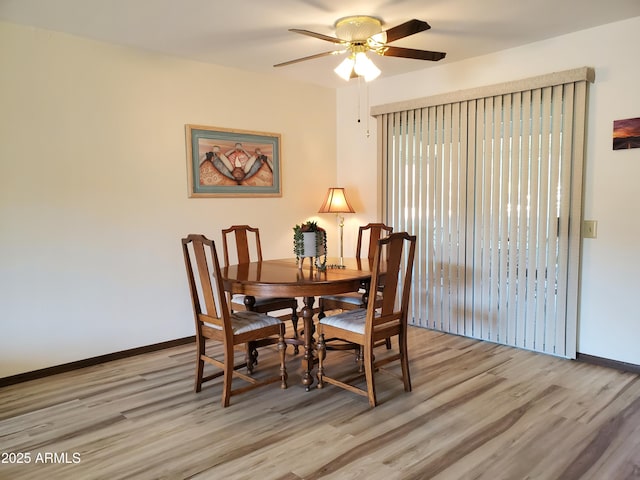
<point x="354" y="300"/>
<point x="370" y="325"/>
<point x="215" y="322"/>
<point x="248" y="249"/>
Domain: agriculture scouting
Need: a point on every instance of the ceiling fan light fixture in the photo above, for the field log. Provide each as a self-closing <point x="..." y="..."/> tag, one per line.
<point x="365" y="67"/>
<point x="345" y="68"/>
<point x="358" y="35"/>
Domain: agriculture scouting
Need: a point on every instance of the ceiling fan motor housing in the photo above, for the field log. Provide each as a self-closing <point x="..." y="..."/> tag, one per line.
<point x="357" y="28"/>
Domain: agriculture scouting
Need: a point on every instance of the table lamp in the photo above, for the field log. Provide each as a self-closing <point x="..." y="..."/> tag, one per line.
<point x="336" y="202"/>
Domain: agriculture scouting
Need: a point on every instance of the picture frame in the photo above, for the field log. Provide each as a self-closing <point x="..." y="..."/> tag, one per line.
<point x="626" y="133"/>
<point x="224" y="162"/>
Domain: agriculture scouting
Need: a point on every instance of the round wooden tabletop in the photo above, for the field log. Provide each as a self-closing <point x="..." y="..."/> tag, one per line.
<point x="283" y="278"/>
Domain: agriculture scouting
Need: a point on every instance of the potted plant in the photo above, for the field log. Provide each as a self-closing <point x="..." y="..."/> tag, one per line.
<point x="310" y="240"/>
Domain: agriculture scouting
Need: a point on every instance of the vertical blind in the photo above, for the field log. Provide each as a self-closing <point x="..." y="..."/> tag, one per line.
<point x="490" y="180"/>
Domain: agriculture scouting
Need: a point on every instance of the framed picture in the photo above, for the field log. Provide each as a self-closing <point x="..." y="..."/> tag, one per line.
<point x="232" y="163"/>
<point x="626" y="133"/>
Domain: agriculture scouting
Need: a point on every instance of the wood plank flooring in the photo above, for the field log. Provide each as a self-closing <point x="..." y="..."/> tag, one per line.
<point x="477" y="411"/>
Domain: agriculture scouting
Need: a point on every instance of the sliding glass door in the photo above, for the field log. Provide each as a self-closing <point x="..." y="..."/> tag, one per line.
<point x="492" y="186"/>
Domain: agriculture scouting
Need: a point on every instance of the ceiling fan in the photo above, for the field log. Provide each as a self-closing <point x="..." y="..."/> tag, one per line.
<point x="360" y="34"/>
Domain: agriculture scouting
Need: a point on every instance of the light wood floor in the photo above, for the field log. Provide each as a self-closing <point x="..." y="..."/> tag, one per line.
<point x="477" y="411"/>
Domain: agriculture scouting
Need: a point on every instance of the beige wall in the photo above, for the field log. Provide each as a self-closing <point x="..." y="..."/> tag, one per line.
<point x="93" y="189"/>
<point x="609" y="323"/>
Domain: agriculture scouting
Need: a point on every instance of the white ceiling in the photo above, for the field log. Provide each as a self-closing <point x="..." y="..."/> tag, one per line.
<point x="253" y="34"/>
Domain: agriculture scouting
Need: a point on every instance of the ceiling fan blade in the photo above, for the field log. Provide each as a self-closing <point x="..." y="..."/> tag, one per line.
<point x="316" y="35"/>
<point x="411" y="53"/>
<point x="405" y="29"/>
<point x="310" y="57"/>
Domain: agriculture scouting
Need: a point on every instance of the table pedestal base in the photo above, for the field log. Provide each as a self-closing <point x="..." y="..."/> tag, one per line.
<point x="309" y="329"/>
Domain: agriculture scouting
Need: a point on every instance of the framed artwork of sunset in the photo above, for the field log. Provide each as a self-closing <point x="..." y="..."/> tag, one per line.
<point x="626" y="133"/>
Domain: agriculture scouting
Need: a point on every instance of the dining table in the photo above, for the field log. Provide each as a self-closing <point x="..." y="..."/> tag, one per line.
<point x="290" y="278"/>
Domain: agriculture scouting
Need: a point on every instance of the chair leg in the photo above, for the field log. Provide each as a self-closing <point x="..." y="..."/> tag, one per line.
<point x="282" y="349"/>
<point x="199" y="372"/>
<point x="228" y="374"/>
<point x="404" y="361"/>
<point x="360" y="358"/>
<point x="368" y="373"/>
<point x="251" y="356"/>
<point x="321" y="313"/>
<point x="199" y="366"/>
<point x="322" y="352"/>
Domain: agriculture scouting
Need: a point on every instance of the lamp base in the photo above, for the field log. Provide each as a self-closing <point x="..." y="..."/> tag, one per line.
<point x="341" y="225"/>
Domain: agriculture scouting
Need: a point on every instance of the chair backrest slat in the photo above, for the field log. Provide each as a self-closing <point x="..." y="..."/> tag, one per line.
<point x="376" y="232"/>
<point x="244" y="248"/>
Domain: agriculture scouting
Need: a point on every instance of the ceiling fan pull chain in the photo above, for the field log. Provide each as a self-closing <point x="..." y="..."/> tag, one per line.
<point x="359" y="94"/>
<point x="366" y="107"/>
<point x="366" y="104"/>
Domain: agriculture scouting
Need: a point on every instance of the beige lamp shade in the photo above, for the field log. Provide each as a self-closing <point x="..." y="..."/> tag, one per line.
<point x="336" y="202"/>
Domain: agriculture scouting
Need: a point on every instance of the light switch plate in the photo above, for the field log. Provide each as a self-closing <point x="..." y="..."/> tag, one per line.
<point x="589" y="229"/>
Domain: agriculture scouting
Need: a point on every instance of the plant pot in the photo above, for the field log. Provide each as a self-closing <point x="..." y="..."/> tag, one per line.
<point x="311" y="245"/>
<point x="310" y="241"/>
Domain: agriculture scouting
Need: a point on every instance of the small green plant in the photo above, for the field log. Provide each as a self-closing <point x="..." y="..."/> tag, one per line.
<point x="308" y="226"/>
<point x="321" y="243"/>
